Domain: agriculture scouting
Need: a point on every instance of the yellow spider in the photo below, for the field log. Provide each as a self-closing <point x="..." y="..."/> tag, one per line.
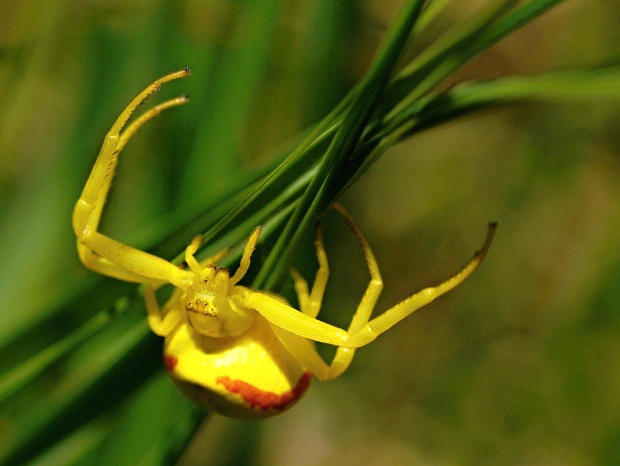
<point x="237" y="351"/>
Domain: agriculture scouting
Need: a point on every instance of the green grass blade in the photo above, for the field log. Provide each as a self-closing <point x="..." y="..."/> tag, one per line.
<point x="588" y="84"/>
<point x="442" y="57"/>
<point x="84" y="391"/>
<point x="215" y="154"/>
<point x="26" y="371"/>
<point x="313" y="202"/>
<point x="513" y="21"/>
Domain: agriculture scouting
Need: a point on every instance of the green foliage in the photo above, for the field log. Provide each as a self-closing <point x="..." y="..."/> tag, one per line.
<point x="80" y="377"/>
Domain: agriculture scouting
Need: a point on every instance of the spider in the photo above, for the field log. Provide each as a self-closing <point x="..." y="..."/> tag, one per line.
<point x="237" y="351"/>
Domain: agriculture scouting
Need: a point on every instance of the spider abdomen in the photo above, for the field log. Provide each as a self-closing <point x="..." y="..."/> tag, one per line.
<point x="251" y="376"/>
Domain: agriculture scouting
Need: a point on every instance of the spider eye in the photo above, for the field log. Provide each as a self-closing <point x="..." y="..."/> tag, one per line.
<point x="206" y="308"/>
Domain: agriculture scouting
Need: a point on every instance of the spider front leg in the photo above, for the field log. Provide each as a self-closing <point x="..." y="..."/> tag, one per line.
<point x="97" y="251"/>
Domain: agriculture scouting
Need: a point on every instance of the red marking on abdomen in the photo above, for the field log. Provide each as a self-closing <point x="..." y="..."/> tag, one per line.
<point x="265" y="400"/>
<point x="170" y="362"/>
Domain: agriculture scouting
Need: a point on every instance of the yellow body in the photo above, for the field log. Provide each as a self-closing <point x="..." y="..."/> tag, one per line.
<point x="237" y="351"/>
<point x="249" y="376"/>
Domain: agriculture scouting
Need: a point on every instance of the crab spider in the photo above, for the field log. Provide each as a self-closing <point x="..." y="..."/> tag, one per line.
<point x="235" y="350"/>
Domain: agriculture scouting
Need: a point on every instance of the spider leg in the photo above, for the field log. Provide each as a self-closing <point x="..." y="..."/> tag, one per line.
<point x="97" y="251"/>
<point x="395" y="314"/>
<point x="361" y="331"/>
<point x="115" y="259"/>
<point x="310" y="302"/>
<point x="301" y="289"/>
<point x="373" y="290"/>
<point x="162" y="321"/>
<point x="305" y="352"/>
<point x="190" y="256"/>
<point x="244" y="264"/>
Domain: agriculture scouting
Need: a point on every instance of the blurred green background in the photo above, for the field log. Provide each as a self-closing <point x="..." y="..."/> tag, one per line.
<point x="520" y="365"/>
